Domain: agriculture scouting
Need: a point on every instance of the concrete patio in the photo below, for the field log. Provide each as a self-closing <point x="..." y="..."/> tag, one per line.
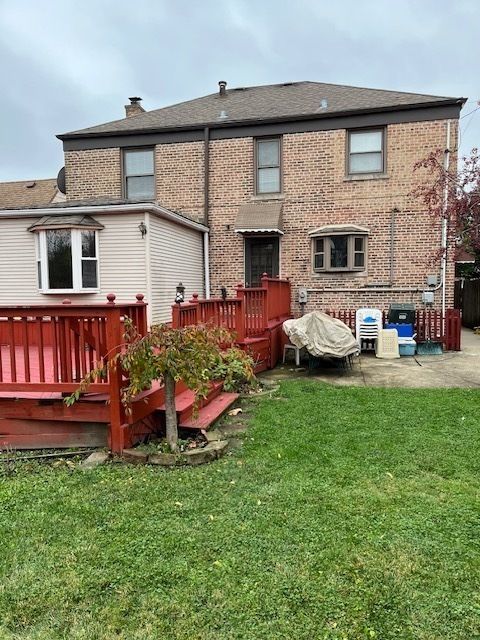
<point x="451" y="369"/>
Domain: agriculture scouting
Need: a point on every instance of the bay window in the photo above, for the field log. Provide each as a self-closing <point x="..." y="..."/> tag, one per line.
<point x="334" y="249"/>
<point x="67" y="260"/>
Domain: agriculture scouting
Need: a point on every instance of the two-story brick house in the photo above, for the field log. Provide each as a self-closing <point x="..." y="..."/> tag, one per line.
<point x="306" y="180"/>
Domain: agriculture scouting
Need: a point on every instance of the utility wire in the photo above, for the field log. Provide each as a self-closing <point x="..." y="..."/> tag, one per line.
<point x="470" y="112"/>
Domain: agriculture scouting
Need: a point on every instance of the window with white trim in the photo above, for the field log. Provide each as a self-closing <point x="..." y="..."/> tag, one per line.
<point x="67" y="260"/>
<point x="339" y="252"/>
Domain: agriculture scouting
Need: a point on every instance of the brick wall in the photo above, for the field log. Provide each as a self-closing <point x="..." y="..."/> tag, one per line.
<point x="94" y="173"/>
<point x="179" y="177"/>
<point x="316" y="193"/>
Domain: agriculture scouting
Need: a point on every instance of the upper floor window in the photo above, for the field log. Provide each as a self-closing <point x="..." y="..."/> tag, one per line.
<point x="366" y="151"/>
<point x="67" y="260"/>
<point x="268" y="165"/>
<point x="139" y="175"/>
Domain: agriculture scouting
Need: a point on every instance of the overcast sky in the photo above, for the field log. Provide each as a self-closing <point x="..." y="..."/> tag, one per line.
<point x="67" y="64"/>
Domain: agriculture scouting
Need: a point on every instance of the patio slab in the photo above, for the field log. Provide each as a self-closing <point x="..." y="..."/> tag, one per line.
<point x="451" y="369"/>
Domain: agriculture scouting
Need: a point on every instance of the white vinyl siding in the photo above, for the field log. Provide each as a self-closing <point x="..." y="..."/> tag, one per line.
<point x="176" y="255"/>
<point x="121" y="262"/>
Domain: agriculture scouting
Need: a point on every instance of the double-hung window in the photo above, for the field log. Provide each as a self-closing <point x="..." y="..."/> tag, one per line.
<point x="67" y="260"/>
<point x="366" y="151"/>
<point x="139" y="174"/>
<point x="268" y="165"/>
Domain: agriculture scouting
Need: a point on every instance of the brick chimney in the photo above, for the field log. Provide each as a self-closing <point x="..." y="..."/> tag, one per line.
<point x="134" y="108"/>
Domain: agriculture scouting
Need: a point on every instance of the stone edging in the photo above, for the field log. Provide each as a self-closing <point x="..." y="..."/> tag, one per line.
<point x="194" y="457"/>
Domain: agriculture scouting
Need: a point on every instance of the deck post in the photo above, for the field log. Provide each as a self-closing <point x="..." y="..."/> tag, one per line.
<point x="141" y="313"/>
<point x="113" y="342"/>
<point x="240" y="311"/>
<point x="175" y="316"/>
<point x="267" y="302"/>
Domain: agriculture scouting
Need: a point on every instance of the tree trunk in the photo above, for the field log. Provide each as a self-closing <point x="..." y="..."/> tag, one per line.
<point x="171" y="413"/>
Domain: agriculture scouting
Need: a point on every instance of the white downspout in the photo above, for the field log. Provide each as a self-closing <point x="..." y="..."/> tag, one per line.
<point x="444" y="226"/>
<point x="148" y="269"/>
<point x="206" y="264"/>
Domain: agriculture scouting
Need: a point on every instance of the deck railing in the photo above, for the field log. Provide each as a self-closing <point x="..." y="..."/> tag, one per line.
<point x="248" y="315"/>
<point x="50" y="348"/>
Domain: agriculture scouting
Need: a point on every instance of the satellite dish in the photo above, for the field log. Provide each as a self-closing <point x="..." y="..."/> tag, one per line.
<point x="61" y="181"/>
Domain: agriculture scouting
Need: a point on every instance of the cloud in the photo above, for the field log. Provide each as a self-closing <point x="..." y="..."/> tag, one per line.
<point x="67" y="65"/>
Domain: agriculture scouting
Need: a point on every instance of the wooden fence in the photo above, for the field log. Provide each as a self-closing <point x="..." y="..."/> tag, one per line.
<point x="429" y="324"/>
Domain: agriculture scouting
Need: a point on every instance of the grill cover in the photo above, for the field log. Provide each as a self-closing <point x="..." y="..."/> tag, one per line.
<point x="321" y="335"/>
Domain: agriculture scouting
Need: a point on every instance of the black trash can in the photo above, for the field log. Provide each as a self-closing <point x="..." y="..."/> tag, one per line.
<point x="401" y="313"/>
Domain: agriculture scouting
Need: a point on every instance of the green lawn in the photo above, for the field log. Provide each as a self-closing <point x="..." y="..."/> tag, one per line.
<point x="349" y="513"/>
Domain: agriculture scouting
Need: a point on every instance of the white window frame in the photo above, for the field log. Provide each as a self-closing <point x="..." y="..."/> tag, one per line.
<point x="77" y="259"/>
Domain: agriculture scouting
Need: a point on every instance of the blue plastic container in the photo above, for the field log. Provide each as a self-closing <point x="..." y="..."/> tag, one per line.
<point x="407" y="349"/>
<point x="403" y="330"/>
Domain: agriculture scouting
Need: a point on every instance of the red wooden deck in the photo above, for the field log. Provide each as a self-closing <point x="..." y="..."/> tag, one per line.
<point x="45" y="352"/>
<point x="255" y="316"/>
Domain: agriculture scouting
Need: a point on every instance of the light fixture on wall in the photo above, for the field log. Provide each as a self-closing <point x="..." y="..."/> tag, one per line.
<point x="142" y="227"/>
<point x="180" y="294"/>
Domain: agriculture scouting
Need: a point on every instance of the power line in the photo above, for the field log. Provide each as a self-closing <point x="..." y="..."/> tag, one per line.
<point x="470" y="112"/>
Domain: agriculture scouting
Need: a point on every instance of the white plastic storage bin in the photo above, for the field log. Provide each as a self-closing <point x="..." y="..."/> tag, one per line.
<point x="387" y="344"/>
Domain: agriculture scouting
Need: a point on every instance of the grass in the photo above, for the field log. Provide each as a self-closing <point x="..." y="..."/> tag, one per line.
<point x="350" y="513"/>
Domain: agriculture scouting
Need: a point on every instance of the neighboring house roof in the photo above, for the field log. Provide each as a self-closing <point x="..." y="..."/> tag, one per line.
<point x="29" y="193"/>
<point x="278" y="102"/>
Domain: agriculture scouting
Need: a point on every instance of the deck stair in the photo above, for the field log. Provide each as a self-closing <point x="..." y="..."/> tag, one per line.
<point x="210" y="409"/>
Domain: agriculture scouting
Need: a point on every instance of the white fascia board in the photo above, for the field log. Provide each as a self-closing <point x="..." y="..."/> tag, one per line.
<point x="106" y="209"/>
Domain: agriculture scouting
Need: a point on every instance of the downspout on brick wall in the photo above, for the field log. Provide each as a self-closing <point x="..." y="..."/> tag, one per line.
<point x="206" y="194"/>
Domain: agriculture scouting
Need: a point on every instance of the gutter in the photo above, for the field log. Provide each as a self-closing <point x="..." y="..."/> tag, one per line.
<point x="146" y="207"/>
<point x="148" y="271"/>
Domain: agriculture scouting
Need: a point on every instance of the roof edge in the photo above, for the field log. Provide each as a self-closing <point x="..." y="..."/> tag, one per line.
<point x="149" y="207"/>
<point x="239" y="123"/>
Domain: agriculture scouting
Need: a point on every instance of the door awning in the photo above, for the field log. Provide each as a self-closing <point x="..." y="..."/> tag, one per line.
<point x="258" y="217"/>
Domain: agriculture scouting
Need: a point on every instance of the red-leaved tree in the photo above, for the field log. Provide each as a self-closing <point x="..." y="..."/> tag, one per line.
<point x="453" y="195"/>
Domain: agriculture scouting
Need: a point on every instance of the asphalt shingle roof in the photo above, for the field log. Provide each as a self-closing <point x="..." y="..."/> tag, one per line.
<point x="27" y="193"/>
<point x="264" y="103"/>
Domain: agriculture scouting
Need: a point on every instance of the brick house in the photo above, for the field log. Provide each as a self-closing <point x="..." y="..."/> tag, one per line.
<point x="304" y="179"/>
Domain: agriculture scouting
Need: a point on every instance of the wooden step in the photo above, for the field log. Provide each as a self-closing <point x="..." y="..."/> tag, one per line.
<point x="185" y="401"/>
<point x="211" y="412"/>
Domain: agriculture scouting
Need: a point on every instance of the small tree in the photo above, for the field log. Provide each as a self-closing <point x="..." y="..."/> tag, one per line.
<point x="168" y="355"/>
<point x="453" y="196"/>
